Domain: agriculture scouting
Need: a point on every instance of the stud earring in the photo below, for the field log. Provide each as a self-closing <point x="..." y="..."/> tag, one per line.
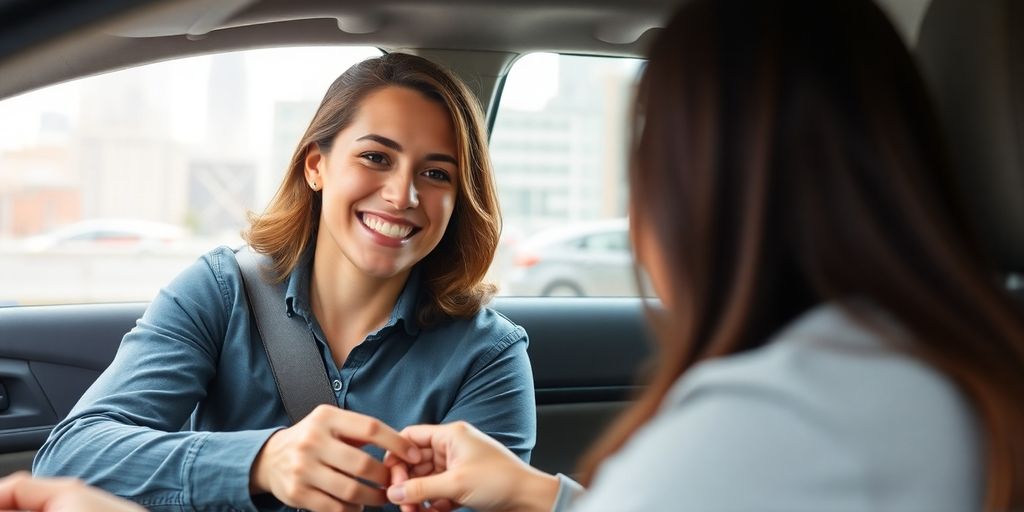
<point x="313" y="184"/>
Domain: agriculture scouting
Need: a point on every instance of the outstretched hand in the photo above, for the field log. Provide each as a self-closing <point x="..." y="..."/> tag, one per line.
<point x="462" y="466"/>
<point x="318" y="464"/>
<point x="20" y="491"/>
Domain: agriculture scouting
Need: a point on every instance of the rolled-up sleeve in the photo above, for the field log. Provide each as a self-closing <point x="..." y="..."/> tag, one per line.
<point x="498" y="397"/>
<point x="124" y="434"/>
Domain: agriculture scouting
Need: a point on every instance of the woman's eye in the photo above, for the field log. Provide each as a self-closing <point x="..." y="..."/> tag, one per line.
<point x="437" y="174"/>
<point x="374" y="158"/>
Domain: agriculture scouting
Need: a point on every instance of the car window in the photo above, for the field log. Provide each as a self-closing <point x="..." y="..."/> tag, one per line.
<point x="559" y="152"/>
<point x="111" y="185"/>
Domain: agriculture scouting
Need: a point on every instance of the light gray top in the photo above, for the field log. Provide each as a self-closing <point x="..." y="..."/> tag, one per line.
<point x="825" y="418"/>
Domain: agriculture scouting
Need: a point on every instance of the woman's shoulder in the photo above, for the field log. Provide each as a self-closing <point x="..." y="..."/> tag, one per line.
<point x="829" y="395"/>
<point x="485" y="327"/>
<point x="829" y="355"/>
<point x="222" y="260"/>
<point x="826" y="417"/>
<point x="215" y="271"/>
<point x="478" y="340"/>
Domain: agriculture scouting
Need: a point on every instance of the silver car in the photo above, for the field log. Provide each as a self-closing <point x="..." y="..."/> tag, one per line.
<point x="585" y="259"/>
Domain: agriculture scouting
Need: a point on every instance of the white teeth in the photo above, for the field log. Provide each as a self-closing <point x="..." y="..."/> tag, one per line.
<point x="386" y="228"/>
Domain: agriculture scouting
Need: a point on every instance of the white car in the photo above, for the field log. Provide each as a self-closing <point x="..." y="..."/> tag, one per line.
<point x="131" y="234"/>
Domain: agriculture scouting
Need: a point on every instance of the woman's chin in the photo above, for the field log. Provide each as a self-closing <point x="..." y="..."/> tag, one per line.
<point x="383" y="269"/>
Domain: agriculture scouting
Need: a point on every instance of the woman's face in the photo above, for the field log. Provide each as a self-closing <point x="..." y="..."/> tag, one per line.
<point x="389" y="182"/>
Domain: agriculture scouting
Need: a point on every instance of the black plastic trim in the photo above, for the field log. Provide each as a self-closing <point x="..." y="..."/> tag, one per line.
<point x="586" y="395"/>
<point x="22" y="439"/>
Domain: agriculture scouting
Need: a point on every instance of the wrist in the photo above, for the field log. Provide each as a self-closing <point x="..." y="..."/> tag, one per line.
<point x="255" y="487"/>
<point x="256" y="483"/>
<point x="539" y="491"/>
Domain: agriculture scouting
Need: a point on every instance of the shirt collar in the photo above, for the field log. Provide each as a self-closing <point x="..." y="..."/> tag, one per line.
<point x="405" y="306"/>
<point x="297" y="295"/>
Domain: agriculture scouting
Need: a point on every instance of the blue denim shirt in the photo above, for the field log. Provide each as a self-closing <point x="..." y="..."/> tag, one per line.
<point x="195" y="359"/>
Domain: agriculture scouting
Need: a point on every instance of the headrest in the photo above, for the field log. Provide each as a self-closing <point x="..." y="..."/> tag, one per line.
<point x="972" y="55"/>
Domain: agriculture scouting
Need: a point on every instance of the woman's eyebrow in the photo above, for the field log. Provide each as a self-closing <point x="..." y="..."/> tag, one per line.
<point x="382" y="140"/>
<point x="437" y="157"/>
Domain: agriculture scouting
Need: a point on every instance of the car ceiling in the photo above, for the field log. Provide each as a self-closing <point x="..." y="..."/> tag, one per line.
<point x="48" y="41"/>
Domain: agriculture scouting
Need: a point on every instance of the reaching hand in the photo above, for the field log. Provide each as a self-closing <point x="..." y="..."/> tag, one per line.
<point x="317" y="464"/>
<point x="20" y="491"/>
<point x="464" y="467"/>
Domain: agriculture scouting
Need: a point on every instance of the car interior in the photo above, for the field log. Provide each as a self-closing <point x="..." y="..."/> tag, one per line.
<point x="587" y="353"/>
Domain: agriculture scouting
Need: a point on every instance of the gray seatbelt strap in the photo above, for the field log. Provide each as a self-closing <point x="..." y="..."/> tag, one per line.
<point x="294" y="357"/>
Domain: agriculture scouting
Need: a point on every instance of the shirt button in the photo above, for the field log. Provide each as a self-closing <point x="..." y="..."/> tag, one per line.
<point x="337" y="385"/>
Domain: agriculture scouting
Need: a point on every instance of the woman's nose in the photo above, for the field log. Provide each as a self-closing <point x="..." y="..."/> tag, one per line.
<point x="400" y="191"/>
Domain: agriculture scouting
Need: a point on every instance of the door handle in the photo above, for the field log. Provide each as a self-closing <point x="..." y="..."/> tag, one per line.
<point x="25" y="405"/>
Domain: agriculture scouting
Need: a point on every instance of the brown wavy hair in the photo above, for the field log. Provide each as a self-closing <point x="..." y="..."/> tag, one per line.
<point x="786" y="154"/>
<point x="453" y="272"/>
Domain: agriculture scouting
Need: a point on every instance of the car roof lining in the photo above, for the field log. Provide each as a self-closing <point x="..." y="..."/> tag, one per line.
<point x="155" y="30"/>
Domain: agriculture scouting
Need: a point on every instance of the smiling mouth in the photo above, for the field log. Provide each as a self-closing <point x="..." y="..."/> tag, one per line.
<point x="393" y="230"/>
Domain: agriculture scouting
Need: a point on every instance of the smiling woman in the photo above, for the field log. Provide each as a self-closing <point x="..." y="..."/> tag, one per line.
<point x="389" y="185"/>
<point x="386" y="199"/>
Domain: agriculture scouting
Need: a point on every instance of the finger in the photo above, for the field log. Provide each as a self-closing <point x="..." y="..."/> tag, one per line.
<point x="440" y="462"/>
<point x="426" y="456"/>
<point x="441" y="506"/>
<point x="355" y="427"/>
<point x="390" y="460"/>
<point x="346" y="489"/>
<point x="427" y="488"/>
<point x="310" y="498"/>
<point x="399" y="474"/>
<point x="421" y="469"/>
<point x="353" y="461"/>
<point x="21" y="492"/>
<point x="427" y="436"/>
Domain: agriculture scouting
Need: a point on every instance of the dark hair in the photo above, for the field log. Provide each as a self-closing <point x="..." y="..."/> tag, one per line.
<point x="785" y="154"/>
<point x="285" y="229"/>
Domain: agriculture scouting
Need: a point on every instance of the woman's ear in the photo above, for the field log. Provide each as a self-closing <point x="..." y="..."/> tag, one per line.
<point x="313" y="161"/>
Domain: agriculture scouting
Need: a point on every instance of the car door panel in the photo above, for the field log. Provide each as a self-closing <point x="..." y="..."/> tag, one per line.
<point x="585" y="354"/>
<point x="25" y="405"/>
<point x="565" y="431"/>
<point x="49" y="355"/>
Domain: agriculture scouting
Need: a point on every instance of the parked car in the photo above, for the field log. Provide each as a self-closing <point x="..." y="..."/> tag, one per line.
<point x="589" y="259"/>
<point x="99" y="260"/>
<point x="130" y="234"/>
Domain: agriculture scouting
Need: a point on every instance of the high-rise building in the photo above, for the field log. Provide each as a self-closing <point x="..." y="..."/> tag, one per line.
<point x="126" y="154"/>
<point x="565" y="162"/>
<point x="223" y="171"/>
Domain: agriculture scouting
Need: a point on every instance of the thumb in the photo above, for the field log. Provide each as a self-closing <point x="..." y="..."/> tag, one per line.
<point x="427" y="488"/>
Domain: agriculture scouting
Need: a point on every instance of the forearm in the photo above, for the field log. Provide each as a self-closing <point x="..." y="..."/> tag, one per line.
<point x="173" y="470"/>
